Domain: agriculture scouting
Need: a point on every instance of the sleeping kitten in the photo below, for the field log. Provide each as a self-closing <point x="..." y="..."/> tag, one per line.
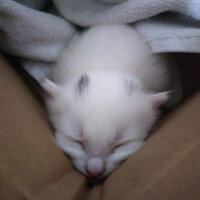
<point x="106" y="96"/>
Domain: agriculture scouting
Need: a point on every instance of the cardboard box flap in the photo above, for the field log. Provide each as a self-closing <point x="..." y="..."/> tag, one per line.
<point x="31" y="163"/>
<point x="168" y="165"/>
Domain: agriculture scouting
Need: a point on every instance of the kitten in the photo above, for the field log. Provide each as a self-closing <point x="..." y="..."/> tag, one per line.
<point x="106" y="96"/>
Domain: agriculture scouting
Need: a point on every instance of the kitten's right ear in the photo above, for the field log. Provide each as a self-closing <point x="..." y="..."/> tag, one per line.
<point x="160" y="98"/>
<point x="50" y="88"/>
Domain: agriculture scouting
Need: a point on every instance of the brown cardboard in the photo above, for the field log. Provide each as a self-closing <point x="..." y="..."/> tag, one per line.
<point x="168" y="165"/>
<point x="32" y="167"/>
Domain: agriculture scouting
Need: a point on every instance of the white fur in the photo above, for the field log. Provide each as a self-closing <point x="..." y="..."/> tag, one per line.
<point x="107" y="119"/>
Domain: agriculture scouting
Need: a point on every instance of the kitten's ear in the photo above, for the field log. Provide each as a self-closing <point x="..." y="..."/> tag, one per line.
<point x="160" y="98"/>
<point x="50" y="88"/>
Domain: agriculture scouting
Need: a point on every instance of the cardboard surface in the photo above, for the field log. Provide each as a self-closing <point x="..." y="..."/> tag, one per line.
<point x="168" y="165"/>
<point x="31" y="164"/>
<point x="32" y="167"/>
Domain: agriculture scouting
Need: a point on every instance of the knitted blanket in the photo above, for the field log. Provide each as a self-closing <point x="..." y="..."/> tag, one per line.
<point x="36" y="32"/>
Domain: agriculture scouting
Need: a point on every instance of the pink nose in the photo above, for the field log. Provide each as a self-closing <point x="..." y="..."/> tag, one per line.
<point x="95" y="166"/>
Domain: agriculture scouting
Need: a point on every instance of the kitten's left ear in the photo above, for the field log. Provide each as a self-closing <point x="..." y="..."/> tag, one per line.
<point x="160" y="98"/>
<point x="50" y="88"/>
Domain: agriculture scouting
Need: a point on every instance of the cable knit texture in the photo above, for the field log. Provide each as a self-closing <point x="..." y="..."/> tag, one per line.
<point x="37" y="36"/>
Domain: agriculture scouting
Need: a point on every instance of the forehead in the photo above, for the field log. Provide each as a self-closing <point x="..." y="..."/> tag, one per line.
<point x="101" y="125"/>
<point x="102" y="112"/>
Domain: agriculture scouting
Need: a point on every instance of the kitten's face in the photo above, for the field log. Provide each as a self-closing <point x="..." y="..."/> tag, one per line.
<point x="101" y="119"/>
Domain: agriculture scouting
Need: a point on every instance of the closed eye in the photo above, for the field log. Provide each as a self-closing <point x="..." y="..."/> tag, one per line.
<point x="118" y="146"/>
<point x="77" y="141"/>
<point x="80" y="143"/>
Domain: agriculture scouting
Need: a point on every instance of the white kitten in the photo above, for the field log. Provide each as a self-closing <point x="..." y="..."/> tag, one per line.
<point x="106" y="96"/>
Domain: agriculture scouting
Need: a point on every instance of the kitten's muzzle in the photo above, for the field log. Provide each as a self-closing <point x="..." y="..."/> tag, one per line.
<point x="95" y="167"/>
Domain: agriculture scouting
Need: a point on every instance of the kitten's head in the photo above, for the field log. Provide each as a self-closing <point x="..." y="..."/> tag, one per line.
<point x="101" y="118"/>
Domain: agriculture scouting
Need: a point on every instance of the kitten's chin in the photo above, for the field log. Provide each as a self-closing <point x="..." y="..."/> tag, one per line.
<point x="95" y="181"/>
<point x="99" y="180"/>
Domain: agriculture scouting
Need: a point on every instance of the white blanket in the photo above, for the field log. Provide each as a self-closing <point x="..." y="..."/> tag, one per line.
<point x="38" y="37"/>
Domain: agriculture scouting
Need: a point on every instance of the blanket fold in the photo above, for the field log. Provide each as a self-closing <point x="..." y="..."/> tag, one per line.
<point x="90" y="12"/>
<point x="37" y="36"/>
<point x="30" y="33"/>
